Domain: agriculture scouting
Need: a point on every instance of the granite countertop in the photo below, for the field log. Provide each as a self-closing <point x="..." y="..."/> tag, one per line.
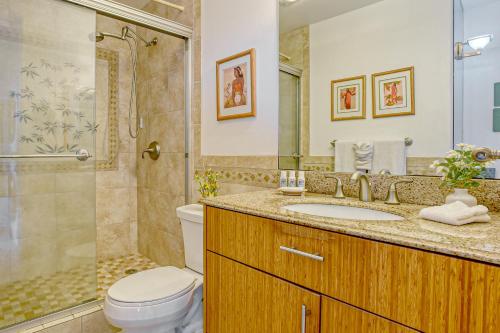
<point x="478" y="241"/>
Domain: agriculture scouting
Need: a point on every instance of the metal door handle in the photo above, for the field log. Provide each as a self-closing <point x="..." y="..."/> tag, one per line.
<point x="81" y="155"/>
<point x="302" y="253"/>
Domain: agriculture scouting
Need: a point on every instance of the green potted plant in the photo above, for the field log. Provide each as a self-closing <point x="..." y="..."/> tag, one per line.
<point x="207" y="183"/>
<point x="458" y="171"/>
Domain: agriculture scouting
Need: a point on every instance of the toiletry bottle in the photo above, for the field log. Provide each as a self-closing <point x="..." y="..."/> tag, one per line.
<point x="301" y="179"/>
<point x="291" y="179"/>
<point x="283" y="179"/>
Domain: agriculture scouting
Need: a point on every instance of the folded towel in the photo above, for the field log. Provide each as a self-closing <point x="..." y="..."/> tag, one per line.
<point x="344" y="156"/>
<point x="389" y="155"/>
<point x="456" y="213"/>
<point x="363" y="155"/>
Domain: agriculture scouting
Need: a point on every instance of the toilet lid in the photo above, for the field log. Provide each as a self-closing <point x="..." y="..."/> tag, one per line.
<point x="152" y="285"/>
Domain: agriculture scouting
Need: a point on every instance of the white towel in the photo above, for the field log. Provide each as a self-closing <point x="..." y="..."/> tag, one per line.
<point x="344" y="156"/>
<point x="389" y="155"/>
<point x="363" y="156"/>
<point x="456" y="213"/>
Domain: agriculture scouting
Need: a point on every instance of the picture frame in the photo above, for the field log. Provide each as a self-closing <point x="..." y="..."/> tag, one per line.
<point x="236" y="89"/>
<point x="393" y="93"/>
<point x="348" y="98"/>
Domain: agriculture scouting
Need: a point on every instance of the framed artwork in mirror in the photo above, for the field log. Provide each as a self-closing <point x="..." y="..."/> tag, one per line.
<point x="236" y="86"/>
<point x="348" y="98"/>
<point x="393" y="93"/>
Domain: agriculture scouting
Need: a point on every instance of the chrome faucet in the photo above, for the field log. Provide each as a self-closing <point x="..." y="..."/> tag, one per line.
<point x="365" y="187"/>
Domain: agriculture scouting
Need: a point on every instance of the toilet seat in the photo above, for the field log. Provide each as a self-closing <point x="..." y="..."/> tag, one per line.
<point x="151" y="287"/>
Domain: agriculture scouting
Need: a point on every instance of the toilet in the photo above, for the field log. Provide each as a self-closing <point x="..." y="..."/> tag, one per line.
<point x="164" y="299"/>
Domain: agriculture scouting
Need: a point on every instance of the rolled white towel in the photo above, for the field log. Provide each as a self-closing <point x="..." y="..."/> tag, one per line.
<point x="363" y="155"/>
<point x="456" y="213"/>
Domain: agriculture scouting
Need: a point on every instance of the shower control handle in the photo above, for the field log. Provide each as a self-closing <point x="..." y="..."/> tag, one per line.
<point x="153" y="150"/>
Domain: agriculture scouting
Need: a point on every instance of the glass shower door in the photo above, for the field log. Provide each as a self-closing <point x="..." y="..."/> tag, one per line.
<point x="47" y="180"/>
<point x="289" y="121"/>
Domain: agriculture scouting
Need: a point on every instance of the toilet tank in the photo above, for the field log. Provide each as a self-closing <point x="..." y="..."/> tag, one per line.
<point x="191" y="217"/>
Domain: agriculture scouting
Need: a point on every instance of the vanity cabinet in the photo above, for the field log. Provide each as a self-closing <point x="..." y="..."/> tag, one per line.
<point x="361" y="282"/>
<point x="341" y="317"/>
<point x="245" y="300"/>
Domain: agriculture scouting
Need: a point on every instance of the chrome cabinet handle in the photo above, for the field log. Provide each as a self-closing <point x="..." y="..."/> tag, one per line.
<point x="303" y="319"/>
<point x="301" y="253"/>
<point x="304" y="314"/>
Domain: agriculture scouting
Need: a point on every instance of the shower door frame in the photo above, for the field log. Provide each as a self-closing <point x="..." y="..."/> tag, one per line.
<point x="148" y="20"/>
<point x="297" y="73"/>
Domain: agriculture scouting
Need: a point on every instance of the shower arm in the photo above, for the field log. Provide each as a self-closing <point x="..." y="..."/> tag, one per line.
<point x="132" y="34"/>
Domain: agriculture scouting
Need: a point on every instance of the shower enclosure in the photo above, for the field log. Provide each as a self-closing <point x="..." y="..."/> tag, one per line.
<point x="54" y="140"/>
<point x="47" y="178"/>
<point x="289" y="126"/>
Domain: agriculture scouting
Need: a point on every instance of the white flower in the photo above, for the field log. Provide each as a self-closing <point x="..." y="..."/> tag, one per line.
<point x="434" y="164"/>
<point x="452" y="154"/>
<point x="442" y="170"/>
<point x="465" y="146"/>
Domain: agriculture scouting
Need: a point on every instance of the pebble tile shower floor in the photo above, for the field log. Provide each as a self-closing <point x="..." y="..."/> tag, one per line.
<point x="29" y="299"/>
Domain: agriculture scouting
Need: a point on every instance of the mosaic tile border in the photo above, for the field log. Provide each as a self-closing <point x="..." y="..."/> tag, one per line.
<point x="113" y="78"/>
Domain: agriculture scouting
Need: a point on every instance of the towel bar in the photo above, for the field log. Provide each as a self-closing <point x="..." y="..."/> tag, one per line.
<point x="408" y="142"/>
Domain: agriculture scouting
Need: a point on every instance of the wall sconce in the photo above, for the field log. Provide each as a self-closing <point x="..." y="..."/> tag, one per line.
<point x="476" y="43"/>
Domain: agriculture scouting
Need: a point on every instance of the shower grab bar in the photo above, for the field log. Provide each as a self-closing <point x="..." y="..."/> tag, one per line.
<point x="81" y="155"/>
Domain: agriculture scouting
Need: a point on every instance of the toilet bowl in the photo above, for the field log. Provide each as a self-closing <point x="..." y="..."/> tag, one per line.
<point x="164" y="299"/>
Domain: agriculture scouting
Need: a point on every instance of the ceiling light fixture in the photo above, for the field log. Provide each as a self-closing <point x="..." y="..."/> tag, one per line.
<point x="476" y="43"/>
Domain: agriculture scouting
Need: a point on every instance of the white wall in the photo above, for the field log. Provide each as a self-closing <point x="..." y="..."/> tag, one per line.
<point x="229" y="27"/>
<point x="480" y="73"/>
<point x="387" y="35"/>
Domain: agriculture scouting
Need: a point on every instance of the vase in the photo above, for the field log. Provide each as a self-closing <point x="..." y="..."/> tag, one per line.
<point x="462" y="194"/>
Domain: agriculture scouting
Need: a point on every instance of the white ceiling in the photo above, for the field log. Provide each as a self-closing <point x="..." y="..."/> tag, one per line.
<point x="305" y="12"/>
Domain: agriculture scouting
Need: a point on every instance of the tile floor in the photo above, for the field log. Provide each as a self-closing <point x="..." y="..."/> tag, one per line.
<point x="29" y="299"/>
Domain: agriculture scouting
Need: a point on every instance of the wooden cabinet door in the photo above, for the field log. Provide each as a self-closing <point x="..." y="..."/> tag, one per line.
<point x="340" y="317"/>
<point x="241" y="299"/>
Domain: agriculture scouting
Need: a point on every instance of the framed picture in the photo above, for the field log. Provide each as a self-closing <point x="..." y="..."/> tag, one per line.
<point x="393" y="93"/>
<point x="349" y="98"/>
<point x="236" y="86"/>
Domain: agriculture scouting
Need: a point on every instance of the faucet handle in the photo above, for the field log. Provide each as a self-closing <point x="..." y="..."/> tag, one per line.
<point x="392" y="195"/>
<point x="339" y="191"/>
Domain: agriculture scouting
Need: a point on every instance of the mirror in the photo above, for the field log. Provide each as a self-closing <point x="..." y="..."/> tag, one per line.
<point x="477" y="75"/>
<point x="368" y="85"/>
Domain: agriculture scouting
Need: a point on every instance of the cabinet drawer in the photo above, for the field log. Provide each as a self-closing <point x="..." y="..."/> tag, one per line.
<point x="340" y="317"/>
<point x="241" y="299"/>
<point x="289" y="251"/>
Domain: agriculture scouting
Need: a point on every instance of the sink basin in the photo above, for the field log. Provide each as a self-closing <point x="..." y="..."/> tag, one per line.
<point x="343" y="212"/>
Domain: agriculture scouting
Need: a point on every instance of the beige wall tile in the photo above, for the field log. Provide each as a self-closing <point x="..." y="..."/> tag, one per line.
<point x="113" y="240"/>
<point x="24" y="183"/>
<point x="113" y="206"/>
<point x="168" y="130"/>
<point x="75" y="181"/>
<point x="115" y="179"/>
<point x="75" y="210"/>
<point x="167" y="174"/>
